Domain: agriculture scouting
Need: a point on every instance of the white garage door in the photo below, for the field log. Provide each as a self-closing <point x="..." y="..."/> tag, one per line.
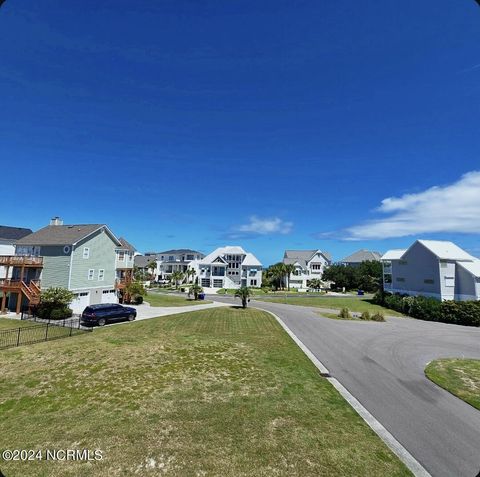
<point x="80" y="301"/>
<point x="109" y="296"/>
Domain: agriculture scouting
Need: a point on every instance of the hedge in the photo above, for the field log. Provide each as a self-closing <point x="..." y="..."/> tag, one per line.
<point x="457" y="312"/>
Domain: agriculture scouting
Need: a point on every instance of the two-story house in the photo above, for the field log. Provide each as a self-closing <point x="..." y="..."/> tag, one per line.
<point x="176" y="260"/>
<point x="8" y="239"/>
<point x="308" y="264"/>
<point x="360" y="256"/>
<point x="432" y="268"/>
<point x="228" y="267"/>
<point x="81" y="258"/>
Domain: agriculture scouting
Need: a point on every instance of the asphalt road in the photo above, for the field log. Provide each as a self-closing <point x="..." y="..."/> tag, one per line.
<point x="382" y="365"/>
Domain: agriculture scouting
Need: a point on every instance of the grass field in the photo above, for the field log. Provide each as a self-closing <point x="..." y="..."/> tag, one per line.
<point x="461" y="377"/>
<point x="163" y="299"/>
<point x="220" y="392"/>
<point x="9" y="323"/>
<point x="354" y="303"/>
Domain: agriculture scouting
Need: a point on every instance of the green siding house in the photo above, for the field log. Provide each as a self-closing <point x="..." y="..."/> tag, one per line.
<point x="82" y="258"/>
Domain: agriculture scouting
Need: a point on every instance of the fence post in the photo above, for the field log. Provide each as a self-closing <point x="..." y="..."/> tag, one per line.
<point x="18" y="336"/>
<point x="46" y="332"/>
<point x="71" y="329"/>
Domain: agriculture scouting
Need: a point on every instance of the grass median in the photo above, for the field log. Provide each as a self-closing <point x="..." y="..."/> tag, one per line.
<point x="461" y="377"/>
<point x="218" y="392"/>
<point x="164" y="299"/>
<point x="354" y="303"/>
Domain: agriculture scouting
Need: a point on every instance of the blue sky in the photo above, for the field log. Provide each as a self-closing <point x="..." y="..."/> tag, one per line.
<point x="272" y="124"/>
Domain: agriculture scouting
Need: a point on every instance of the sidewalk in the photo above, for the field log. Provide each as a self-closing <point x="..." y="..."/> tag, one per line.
<point x="145" y="311"/>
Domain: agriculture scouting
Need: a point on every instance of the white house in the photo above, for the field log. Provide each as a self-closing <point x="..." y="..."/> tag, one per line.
<point x="228" y="267"/>
<point x="433" y="268"/>
<point x="308" y="264"/>
<point x="360" y="256"/>
<point x="170" y="261"/>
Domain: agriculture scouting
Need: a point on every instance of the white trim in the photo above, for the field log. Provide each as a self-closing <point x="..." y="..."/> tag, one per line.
<point x="93" y="274"/>
<point x="87" y="250"/>
<point x="96" y="230"/>
<point x="70" y="271"/>
<point x="92" y="288"/>
<point x="103" y="275"/>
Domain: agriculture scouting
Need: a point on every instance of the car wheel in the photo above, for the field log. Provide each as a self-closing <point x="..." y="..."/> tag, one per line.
<point x="102" y="322"/>
<point x="131" y="317"/>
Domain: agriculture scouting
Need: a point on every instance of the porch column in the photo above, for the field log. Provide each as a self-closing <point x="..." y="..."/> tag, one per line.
<point x="4" y="301"/>
<point x="19" y="302"/>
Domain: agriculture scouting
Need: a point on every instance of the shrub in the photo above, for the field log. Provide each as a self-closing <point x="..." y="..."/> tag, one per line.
<point x="138" y="300"/>
<point x="378" y="317"/>
<point x="61" y="313"/>
<point x="365" y="316"/>
<point x="344" y="314"/>
<point x="424" y="308"/>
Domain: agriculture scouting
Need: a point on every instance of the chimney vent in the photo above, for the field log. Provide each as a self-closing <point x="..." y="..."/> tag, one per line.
<point x="56" y="221"/>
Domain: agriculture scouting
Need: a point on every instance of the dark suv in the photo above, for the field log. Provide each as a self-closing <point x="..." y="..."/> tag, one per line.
<point x="106" y="312"/>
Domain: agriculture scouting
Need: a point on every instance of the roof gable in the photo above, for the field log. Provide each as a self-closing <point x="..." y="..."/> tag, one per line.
<point x="362" y="255"/>
<point x="64" y="234"/>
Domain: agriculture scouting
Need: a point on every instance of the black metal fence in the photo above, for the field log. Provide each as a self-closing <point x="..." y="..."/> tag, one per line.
<point x="44" y="330"/>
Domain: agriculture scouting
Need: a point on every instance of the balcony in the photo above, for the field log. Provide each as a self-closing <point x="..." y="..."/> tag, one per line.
<point x="21" y="261"/>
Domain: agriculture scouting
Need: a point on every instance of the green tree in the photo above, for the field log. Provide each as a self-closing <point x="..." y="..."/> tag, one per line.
<point x="195" y="290"/>
<point x="54" y="303"/>
<point x="244" y="294"/>
<point x="134" y="290"/>
<point x="152" y="266"/>
<point x="176" y="277"/>
<point x="190" y="273"/>
<point x="289" y="269"/>
<point x="315" y="283"/>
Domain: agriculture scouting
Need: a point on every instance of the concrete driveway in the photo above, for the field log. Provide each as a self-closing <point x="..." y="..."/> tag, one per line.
<point x="382" y="365"/>
<point x="145" y="311"/>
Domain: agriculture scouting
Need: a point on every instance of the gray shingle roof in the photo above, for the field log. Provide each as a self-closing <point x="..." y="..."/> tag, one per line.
<point x="126" y="245"/>
<point x="59" y="234"/>
<point x="141" y="261"/>
<point x="13" y="233"/>
<point x="302" y="256"/>
<point x="362" y="256"/>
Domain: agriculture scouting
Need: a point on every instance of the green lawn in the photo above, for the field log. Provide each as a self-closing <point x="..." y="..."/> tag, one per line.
<point x="353" y="303"/>
<point x="9" y="323"/>
<point x="253" y="291"/>
<point x="459" y="376"/>
<point x="219" y="392"/>
<point x="163" y="299"/>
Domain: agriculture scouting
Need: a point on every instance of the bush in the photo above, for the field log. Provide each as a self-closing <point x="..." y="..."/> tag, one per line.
<point x="365" y="316"/>
<point x="61" y="313"/>
<point x="465" y="313"/>
<point x="377" y="317"/>
<point x="344" y="314"/>
<point x="138" y="300"/>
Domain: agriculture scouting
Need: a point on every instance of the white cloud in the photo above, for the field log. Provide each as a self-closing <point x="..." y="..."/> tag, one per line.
<point x="265" y="226"/>
<point x="454" y="208"/>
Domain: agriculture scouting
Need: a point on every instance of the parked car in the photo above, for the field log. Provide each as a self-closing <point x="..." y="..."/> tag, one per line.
<point x="107" y="312"/>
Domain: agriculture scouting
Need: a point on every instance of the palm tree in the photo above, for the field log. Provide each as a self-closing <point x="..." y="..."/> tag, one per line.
<point x="190" y="273"/>
<point x="176" y="277"/>
<point x="315" y="283"/>
<point x="289" y="269"/>
<point x="244" y="294"/>
<point x="152" y="266"/>
<point x="195" y="290"/>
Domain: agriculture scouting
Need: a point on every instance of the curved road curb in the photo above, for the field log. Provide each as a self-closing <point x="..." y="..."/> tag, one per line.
<point x="413" y="465"/>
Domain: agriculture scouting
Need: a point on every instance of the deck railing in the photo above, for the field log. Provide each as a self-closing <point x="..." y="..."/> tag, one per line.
<point x="20" y="260"/>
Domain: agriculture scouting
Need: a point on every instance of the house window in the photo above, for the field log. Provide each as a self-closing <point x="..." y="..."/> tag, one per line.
<point x="400" y="279"/>
<point x="86" y="252"/>
<point x="121" y="256"/>
<point x="101" y="275"/>
<point x="387" y="278"/>
<point x="316" y="267"/>
<point x="429" y="281"/>
<point x="402" y="262"/>
<point x="449" y="281"/>
<point x="91" y="274"/>
<point x="253" y="283"/>
<point x="171" y="258"/>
